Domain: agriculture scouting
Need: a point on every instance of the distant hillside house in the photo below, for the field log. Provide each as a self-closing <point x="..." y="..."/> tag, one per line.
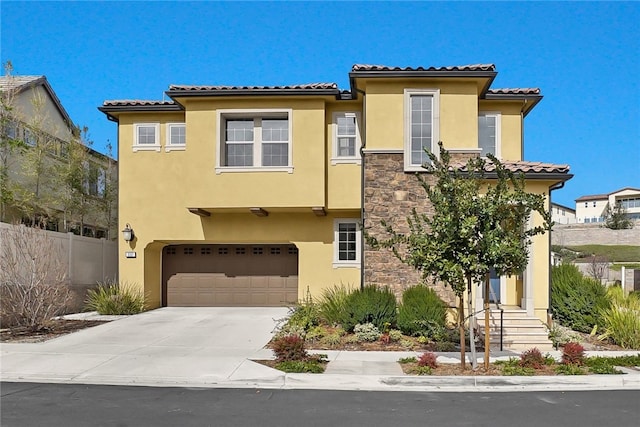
<point x="561" y="214"/>
<point x="39" y="183"/>
<point x="592" y="208"/>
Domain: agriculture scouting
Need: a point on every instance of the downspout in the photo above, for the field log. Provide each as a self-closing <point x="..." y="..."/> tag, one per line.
<point x="363" y="138"/>
<point x="556" y="186"/>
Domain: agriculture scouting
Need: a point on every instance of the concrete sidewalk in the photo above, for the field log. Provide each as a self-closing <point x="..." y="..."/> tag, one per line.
<point x="215" y="347"/>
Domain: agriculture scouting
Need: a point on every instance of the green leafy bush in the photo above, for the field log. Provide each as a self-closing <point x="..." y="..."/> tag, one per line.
<point x="300" y="366"/>
<point x="405" y="360"/>
<point x="331" y="340"/>
<point x="422" y="312"/>
<point x="333" y="303"/>
<point x="570" y="370"/>
<point x="395" y="335"/>
<point x="601" y="365"/>
<point x="369" y="305"/>
<point x="621" y="320"/>
<point x="304" y="315"/>
<point x="517" y="370"/>
<point x="576" y="301"/>
<point x="367" y="332"/>
<point x="115" y="298"/>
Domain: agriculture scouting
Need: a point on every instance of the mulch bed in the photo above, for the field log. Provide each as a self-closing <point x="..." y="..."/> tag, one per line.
<point x="53" y="329"/>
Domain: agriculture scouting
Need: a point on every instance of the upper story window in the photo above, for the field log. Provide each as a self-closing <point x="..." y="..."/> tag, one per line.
<point x="346" y="138"/>
<point x="176" y="136"/>
<point x="422" y="125"/>
<point x="347" y="244"/>
<point x="29" y="137"/>
<point x="489" y="133"/>
<point x="257" y="140"/>
<point x="146" y="136"/>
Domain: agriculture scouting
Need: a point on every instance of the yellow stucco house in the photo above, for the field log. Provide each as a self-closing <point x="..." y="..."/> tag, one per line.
<point x="254" y="195"/>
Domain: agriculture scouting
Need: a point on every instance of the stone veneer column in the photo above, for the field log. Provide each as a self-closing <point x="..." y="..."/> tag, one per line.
<point x="390" y="194"/>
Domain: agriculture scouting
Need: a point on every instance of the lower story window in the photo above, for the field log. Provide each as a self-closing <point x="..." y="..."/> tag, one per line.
<point x="347" y="243"/>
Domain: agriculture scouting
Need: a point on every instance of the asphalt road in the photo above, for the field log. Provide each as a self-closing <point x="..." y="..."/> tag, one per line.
<point x="30" y="404"/>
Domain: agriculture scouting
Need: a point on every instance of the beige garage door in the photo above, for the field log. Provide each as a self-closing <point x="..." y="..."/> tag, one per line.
<point x="230" y="275"/>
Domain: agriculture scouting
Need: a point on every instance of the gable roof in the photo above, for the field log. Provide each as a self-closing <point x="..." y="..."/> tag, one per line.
<point x="591" y="197"/>
<point x="22" y="83"/>
<point x="296" y="89"/>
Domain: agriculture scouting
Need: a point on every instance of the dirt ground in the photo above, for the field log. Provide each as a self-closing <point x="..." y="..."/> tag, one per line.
<point x="53" y="329"/>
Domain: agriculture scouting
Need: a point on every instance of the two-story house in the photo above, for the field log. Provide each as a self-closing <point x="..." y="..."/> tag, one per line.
<point x="38" y="143"/>
<point x="245" y="195"/>
<point x="593" y="207"/>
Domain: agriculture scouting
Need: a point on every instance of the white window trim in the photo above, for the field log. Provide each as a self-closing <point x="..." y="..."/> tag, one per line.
<point x="337" y="262"/>
<point x="146" y="147"/>
<point x="355" y="159"/>
<point x="174" y="147"/>
<point x="498" y="116"/>
<point x="435" y="136"/>
<point x="252" y="113"/>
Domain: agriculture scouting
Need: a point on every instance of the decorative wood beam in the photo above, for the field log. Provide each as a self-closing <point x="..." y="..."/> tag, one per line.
<point x="319" y="211"/>
<point x="199" y="212"/>
<point x="259" y="212"/>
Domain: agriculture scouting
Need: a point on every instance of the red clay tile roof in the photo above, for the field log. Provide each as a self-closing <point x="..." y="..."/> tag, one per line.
<point x="473" y="67"/>
<point x="520" y="167"/>
<point x="308" y="86"/>
<point x="135" y="102"/>
<point x="516" y="91"/>
<point x="592" y="197"/>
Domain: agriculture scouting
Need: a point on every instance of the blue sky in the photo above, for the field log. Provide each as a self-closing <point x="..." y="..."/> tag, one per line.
<point x="585" y="57"/>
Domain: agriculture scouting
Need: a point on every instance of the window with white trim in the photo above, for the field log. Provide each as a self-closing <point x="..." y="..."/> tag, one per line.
<point x="347" y="243"/>
<point x="146" y="136"/>
<point x="346" y="138"/>
<point x="422" y="126"/>
<point x="254" y="140"/>
<point x="176" y="136"/>
<point x="489" y="133"/>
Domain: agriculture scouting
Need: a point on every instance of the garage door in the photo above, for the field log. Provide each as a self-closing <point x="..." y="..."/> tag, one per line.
<point x="229" y="275"/>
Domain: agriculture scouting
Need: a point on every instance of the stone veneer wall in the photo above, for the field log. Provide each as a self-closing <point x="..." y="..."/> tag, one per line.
<point x="390" y="194"/>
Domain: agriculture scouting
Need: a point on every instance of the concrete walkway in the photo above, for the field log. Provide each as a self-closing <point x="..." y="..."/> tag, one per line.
<point x="215" y="347"/>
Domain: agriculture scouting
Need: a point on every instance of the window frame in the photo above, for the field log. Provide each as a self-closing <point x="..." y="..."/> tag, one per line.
<point x="222" y="116"/>
<point x="146" y="147"/>
<point x="175" y="147"/>
<point x="337" y="262"/>
<point x="335" y="157"/>
<point x="435" y="124"/>
<point x="498" y="141"/>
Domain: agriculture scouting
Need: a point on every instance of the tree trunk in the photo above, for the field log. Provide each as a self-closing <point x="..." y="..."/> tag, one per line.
<point x="461" y="329"/>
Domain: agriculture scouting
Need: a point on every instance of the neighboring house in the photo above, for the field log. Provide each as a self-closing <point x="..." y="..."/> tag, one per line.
<point x="38" y="143"/>
<point x="561" y="214"/>
<point x="592" y="208"/>
<point x="254" y="195"/>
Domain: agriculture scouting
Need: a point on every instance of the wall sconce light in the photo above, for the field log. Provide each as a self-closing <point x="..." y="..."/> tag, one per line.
<point x="127" y="233"/>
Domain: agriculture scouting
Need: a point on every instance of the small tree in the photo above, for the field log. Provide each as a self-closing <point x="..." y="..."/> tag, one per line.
<point x="477" y="224"/>
<point x="616" y="218"/>
<point x="33" y="277"/>
<point x="598" y="267"/>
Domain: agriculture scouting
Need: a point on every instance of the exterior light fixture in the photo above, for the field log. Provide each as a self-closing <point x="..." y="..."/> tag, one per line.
<point x="127" y="233"/>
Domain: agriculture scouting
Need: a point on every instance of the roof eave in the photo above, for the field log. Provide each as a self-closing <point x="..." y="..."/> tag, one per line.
<point x="534" y="98"/>
<point x="110" y="109"/>
<point x="252" y="92"/>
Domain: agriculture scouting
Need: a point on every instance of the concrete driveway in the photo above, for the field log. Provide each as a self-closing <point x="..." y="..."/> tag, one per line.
<point x="167" y="346"/>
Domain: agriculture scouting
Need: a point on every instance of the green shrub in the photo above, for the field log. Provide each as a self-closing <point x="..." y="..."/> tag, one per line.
<point x="601" y="365"/>
<point x="369" y="305"/>
<point x="422" y="370"/>
<point x="301" y="366"/>
<point x="395" y="335"/>
<point x="570" y="370"/>
<point x="517" y="370"/>
<point x="331" y="340"/>
<point x="367" y="332"/>
<point x="304" y="315"/>
<point x="332" y="304"/>
<point x="422" y="312"/>
<point x="621" y="320"/>
<point x="405" y="360"/>
<point x="576" y="301"/>
<point x="114" y="298"/>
